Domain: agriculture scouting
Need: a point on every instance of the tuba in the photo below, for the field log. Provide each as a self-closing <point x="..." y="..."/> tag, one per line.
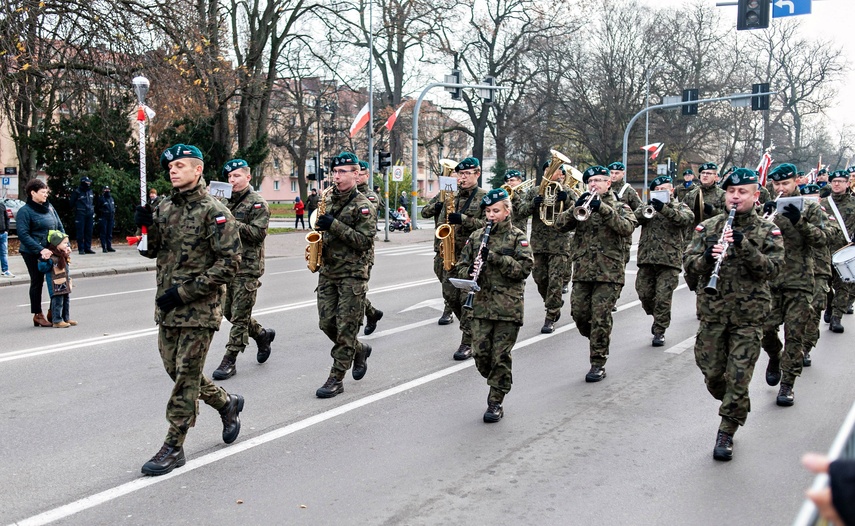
<point x="549" y="210"/>
<point x="445" y="231"/>
<point x="314" y="251"/>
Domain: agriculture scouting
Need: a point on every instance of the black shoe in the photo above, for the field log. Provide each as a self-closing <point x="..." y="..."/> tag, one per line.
<point x="723" y="449"/>
<point x="263" y="340"/>
<point x="548" y="326"/>
<point x="835" y="325"/>
<point x="565" y="289"/>
<point x="658" y="339"/>
<point x="596" y="374"/>
<point x="168" y="458"/>
<point x="90" y="251"/>
<point x="446" y="319"/>
<point x="230" y="413"/>
<point x="806" y="361"/>
<point x="81" y="252"/>
<point x="826" y="316"/>
<point x="494" y="412"/>
<point x="850" y="310"/>
<point x="463" y="352"/>
<point x="786" y="397"/>
<point x="227" y="368"/>
<point x="111" y="249"/>
<point x="104" y="250"/>
<point x="614" y="309"/>
<point x="371" y="322"/>
<point x="360" y="362"/>
<point x="330" y="388"/>
<point x="773" y="371"/>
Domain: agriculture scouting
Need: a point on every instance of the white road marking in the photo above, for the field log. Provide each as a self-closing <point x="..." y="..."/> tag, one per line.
<point x="681" y="347"/>
<point x="76" y="298"/>
<point x="396" y="330"/>
<point x="435" y="303"/>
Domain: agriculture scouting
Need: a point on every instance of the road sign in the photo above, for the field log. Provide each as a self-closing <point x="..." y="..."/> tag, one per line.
<point x="7" y="181"/>
<point x="398" y="173"/>
<point x="782" y="8"/>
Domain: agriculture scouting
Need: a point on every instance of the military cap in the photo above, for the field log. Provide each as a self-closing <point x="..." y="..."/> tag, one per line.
<point x="345" y="159"/>
<point x="179" y="151"/>
<point x="617" y="165"/>
<point x="510" y="174"/>
<point x="592" y="171"/>
<point x="708" y="166"/>
<point x="839" y="174"/>
<point x="363" y="164"/>
<point x="809" y="188"/>
<point x="851" y="169"/>
<point x="662" y="179"/>
<point x="783" y="171"/>
<point x="822" y="171"/>
<point x="688" y="171"/>
<point x="55" y="237"/>
<point x="86" y="179"/>
<point x="105" y="188"/>
<point x="234" y="164"/>
<point x="494" y="196"/>
<point x="739" y="177"/>
<point x="467" y="164"/>
<point x="800" y="173"/>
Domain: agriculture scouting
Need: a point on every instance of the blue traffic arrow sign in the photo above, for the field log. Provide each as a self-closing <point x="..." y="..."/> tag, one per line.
<point x="782" y="8"/>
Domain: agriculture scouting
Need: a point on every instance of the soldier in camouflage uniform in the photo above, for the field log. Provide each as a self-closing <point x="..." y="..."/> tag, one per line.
<point x="253" y="216"/>
<point x="660" y="256"/>
<point x="625" y="193"/>
<point x="728" y="341"/>
<point x="713" y="199"/>
<point x="842" y="293"/>
<point x="599" y="247"/>
<point x="792" y="290"/>
<point x="434" y="209"/>
<point x="348" y="236"/>
<point x="513" y="178"/>
<point x="372" y="315"/>
<point x="197" y="246"/>
<point x="497" y="309"/>
<point x="468" y="217"/>
<point x="688" y="184"/>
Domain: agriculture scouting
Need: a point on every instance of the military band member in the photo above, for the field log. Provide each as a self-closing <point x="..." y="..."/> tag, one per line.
<point x="372" y="315"/>
<point x="712" y="197"/>
<point x="626" y="194"/>
<point x="348" y="232"/>
<point x="822" y="182"/>
<point x="660" y="255"/>
<point x="845" y="202"/>
<point x="497" y="309"/>
<point x="513" y="178"/>
<point x="196" y="243"/>
<point x="688" y="183"/>
<point x="253" y="217"/>
<point x="598" y="257"/>
<point x="728" y="341"/>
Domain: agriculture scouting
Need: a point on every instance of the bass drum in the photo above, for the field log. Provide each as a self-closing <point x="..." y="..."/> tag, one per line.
<point x="844" y="262"/>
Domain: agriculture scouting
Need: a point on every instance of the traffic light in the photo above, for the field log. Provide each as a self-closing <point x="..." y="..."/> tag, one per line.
<point x="761" y="102"/>
<point x="753" y="14"/>
<point x="384" y="159"/>
<point x="313" y="171"/>
<point x="454" y="78"/>
<point x="487" y="94"/>
<point x="690" y="95"/>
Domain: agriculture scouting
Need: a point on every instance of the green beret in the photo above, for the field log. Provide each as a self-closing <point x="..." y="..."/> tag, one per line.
<point x="823" y="171"/>
<point x="688" y="171"/>
<point x="839" y="174"/>
<point x="617" y="165"/>
<point x="467" y="164"/>
<point x="851" y="169"/>
<point x="345" y="159"/>
<point x="800" y="173"/>
<point x="55" y="237"/>
<point x="510" y="174"/>
<point x="179" y="151"/>
<point x="708" y="166"/>
<point x="546" y="165"/>
<point x="809" y="189"/>
<point x="662" y="179"/>
<point x="494" y="196"/>
<point x="363" y="165"/>
<point x="233" y="165"/>
<point x="739" y="177"/>
<point x="783" y="171"/>
<point x="592" y="171"/>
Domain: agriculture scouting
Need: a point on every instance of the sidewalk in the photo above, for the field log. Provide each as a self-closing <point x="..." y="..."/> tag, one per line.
<point x="127" y="259"/>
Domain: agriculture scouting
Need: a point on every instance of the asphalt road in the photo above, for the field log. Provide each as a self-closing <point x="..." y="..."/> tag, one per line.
<point x="84" y="409"/>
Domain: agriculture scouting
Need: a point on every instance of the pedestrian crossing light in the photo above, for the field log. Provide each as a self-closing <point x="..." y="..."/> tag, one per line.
<point x="753" y="14"/>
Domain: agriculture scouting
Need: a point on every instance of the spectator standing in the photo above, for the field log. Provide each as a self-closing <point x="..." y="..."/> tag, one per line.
<point x="4" y="243"/>
<point x="58" y="273"/>
<point x="83" y="205"/>
<point x="311" y="205"/>
<point x="107" y="212"/>
<point x="299" y="208"/>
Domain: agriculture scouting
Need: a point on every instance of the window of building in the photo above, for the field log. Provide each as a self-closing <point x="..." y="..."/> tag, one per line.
<point x="275" y="186"/>
<point x="275" y="163"/>
<point x="293" y="186"/>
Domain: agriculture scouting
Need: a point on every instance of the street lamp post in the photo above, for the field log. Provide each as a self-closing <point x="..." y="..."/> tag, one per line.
<point x="647" y="123"/>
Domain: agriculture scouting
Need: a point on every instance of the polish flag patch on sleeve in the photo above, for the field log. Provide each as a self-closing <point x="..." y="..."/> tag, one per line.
<point x="220" y="220"/>
<point x="699" y="228"/>
<point x="776" y="232"/>
<point x="524" y="242"/>
<point x="364" y="211"/>
<point x="257" y="205"/>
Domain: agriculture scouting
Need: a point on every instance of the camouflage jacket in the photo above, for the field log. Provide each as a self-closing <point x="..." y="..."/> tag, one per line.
<point x="681" y="189"/>
<point x="799" y="241"/>
<point x="253" y="217"/>
<point x="473" y="216"/>
<point x="196" y="243"/>
<point x="846" y="205"/>
<point x="744" y="297"/>
<point x="662" y="236"/>
<point x="713" y="195"/>
<point x="599" y="245"/>
<point x="518" y="220"/>
<point x="503" y="274"/>
<point x="366" y="190"/>
<point x="626" y="194"/>
<point x="348" y="244"/>
<point x="544" y="239"/>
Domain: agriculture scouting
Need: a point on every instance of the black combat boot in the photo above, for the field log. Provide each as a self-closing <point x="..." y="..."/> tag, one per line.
<point x="658" y="339"/>
<point x="849" y="309"/>
<point x="806" y="361"/>
<point x="464" y="352"/>
<point x="596" y="374"/>
<point x="263" y="340"/>
<point x="494" y="412"/>
<point x="168" y="458"/>
<point x="447" y="318"/>
<point x="548" y="326"/>
<point x="371" y="321"/>
<point x="360" y="362"/>
<point x="826" y="316"/>
<point x="331" y="387"/>
<point x="835" y="325"/>
<point x="230" y="413"/>
<point x="786" y="397"/>
<point x="227" y="368"/>
<point x="773" y="370"/>
<point x="723" y="449"/>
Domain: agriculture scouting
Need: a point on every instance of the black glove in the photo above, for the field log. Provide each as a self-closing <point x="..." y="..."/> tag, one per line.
<point x="708" y="256"/>
<point x="657" y="205"/>
<point x="485" y="254"/>
<point x="595" y="204"/>
<point x="561" y="196"/>
<point x="584" y="197"/>
<point x="169" y="300"/>
<point x="437" y="208"/>
<point x="143" y="215"/>
<point x="792" y="213"/>
<point x="708" y="209"/>
<point x="538" y="200"/>
<point x="455" y="219"/>
<point x="738" y="236"/>
<point x="769" y="207"/>
<point x="324" y="222"/>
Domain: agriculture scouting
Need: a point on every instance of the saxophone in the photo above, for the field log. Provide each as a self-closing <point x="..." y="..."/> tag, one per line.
<point x="445" y="232"/>
<point x="314" y="251"/>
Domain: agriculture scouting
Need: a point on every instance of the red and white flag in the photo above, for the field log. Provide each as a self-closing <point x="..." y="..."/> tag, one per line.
<point x="763" y="167"/>
<point x="653" y="149"/>
<point x="392" y="118"/>
<point x="361" y="120"/>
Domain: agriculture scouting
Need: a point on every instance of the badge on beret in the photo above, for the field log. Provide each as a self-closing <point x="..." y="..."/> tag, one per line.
<point x="233" y="165"/>
<point x="809" y="189"/>
<point x="740" y="177"/>
<point x="783" y="171"/>
<point x="662" y="179"/>
<point x="839" y="174"/>
<point x="510" y="174"/>
<point x="617" y="165"/>
<point x="494" y="196"/>
<point x="708" y="166"/>
<point x="688" y="171"/>
<point x="179" y="151"/>
<point x="345" y="159"/>
<point x="363" y="165"/>
<point x="594" y="170"/>
<point x="467" y="164"/>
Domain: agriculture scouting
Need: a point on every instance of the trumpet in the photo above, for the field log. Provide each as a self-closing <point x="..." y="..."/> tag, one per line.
<point x="314" y="251"/>
<point x="662" y="195"/>
<point x="525" y="185"/>
<point x="770" y="216"/>
<point x="583" y="211"/>
<point x="549" y="210"/>
<point x="648" y="212"/>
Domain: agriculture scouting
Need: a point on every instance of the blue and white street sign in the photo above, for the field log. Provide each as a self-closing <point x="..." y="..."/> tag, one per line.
<point x="782" y="8"/>
<point x="7" y="181"/>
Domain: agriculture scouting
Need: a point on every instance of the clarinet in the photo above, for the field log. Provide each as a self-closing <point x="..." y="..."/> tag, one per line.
<point x="712" y="286"/>
<point x="477" y="265"/>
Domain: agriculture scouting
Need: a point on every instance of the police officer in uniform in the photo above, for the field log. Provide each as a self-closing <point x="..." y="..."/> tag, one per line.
<point x="681" y="190"/>
<point x="106" y="215"/>
<point x="197" y="246"/>
<point x="372" y="315"/>
<point x="252" y="214"/>
<point x="845" y="202"/>
<point x="83" y="204"/>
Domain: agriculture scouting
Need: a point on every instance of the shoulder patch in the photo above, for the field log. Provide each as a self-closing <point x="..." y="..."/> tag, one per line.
<point x="364" y="211"/>
<point x="372" y="198"/>
<point x="220" y="220"/>
<point x="257" y="205"/>
<point x="524" y="242"/>
<point x="699" y="228"/>
<point x="776" y="231"/>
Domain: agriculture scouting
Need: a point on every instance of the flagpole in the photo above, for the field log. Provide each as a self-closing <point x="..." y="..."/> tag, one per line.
<point x="371" y="93"/>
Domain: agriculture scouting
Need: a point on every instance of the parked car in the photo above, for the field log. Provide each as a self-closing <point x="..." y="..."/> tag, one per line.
<point x="12" y="206"/>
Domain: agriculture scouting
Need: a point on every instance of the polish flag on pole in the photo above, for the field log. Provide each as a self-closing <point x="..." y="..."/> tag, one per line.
<point x="360" y="121"/>
<point x="392" y="118"/>
<point x="763" y="167"/>
<point x="653" y="149"/>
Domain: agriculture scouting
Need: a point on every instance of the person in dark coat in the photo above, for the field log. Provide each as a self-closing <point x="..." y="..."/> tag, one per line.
<point x="107" y="213"/>
<point x="83" y="205"/>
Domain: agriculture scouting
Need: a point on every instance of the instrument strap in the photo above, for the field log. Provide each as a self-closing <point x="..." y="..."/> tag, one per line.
<point x="352" y="195"/>
<point x="468" y="201"/>
<point x="839" y="219"/>
<point x="241" y="198"/>
<point x="622" y="190"/>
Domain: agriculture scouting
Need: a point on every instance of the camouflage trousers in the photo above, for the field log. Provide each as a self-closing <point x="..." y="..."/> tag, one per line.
<point x="237" y="307"/>
<point x="492" y="342"/>
<point x="454" y="299"/>
<point x="441" y="274"/>
<point x="591" y="305"/>
<point x="820" y="297"/>
<point x="340" y="307"/>
<point x="842" y="297"/>
<point x="370" y="311"/>
<point x="655" y="285"/>
<point x="790" y="308"/>
<point x="726" y="355"/>
<point x="183" y="351"/>
<point x="549" y="272"/>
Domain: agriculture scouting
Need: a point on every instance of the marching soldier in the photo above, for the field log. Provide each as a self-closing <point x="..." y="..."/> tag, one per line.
<point x="844" y="201"/>
<point x="792" y="289"/>
<point x="626" y="194"/>
<point x="688" y="184"/>
<point x="253" y="216"/>
<point x="372" y="315"/>
<point x="348" y="232"/>
<point x="497" y="309"/>
<point x="197" y="246"/>
<point x="728" y="341"/>
<point x="705" y="200"/>
<point x="434" y="209"/>
<point x="660" y="255"/>
<point x="599" y="266"/>
<point x="513" y="178"/>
